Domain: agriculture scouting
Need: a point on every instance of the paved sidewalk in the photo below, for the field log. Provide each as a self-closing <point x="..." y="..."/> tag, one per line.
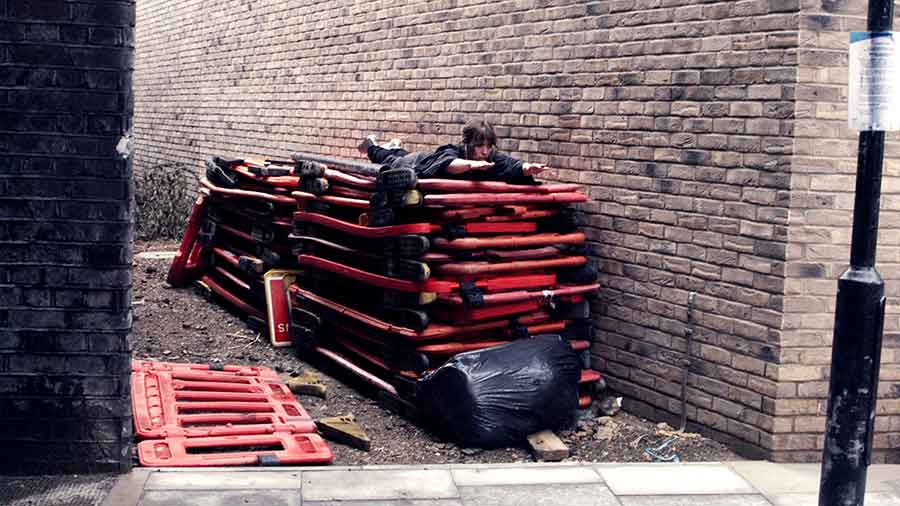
<point x="713" y="484"/>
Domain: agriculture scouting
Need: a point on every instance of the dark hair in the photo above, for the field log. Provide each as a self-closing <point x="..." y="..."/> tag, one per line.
<point x="478" y="133"/>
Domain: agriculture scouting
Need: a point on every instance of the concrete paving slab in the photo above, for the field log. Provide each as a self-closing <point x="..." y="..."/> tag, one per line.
<point x="674" y="479"/>
<point x="216" y="498"/>
<point x="378" y="484"/>
<point x="694" y="500"/>
<point x="540" y="495"/>
<point x="883" y="478"/>
<point x="395" y="502"/>
<point x="128" y="489"/>
<point x="872" y="499"/>
<point x="523" y="476"/>
<point x="770" y="478"/>
<point x="201" y="480"/>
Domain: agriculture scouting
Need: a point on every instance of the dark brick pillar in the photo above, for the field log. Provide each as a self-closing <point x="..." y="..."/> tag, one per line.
<point x="65" y="235"/>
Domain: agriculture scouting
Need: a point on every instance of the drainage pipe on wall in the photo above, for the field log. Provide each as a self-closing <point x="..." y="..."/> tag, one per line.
<point x="686" y="360"/>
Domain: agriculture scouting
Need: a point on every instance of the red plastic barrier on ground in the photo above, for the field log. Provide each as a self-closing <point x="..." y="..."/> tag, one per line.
<point x="168" y="403"/>
<point x="192" y="412"/>
<point x="281" y="449"/>
<point x="226" y="373"/>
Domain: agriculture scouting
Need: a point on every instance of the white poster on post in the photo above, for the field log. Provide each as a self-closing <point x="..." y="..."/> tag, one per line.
<point x="874" y="82"/>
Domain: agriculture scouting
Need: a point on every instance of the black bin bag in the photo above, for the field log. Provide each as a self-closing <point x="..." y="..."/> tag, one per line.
<point x="498" y="396"/>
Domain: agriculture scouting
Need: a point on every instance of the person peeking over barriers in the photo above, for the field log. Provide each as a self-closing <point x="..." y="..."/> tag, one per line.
<point x="475" y="158"/>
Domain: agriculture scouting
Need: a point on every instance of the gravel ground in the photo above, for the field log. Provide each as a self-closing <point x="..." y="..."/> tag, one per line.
<point x="179" y="325"/>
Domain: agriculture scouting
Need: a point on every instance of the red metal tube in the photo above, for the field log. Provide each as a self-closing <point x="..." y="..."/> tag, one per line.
<point x="470" y="199"/>
<point x="376" y="279"/>
<point x="232" y="299"/>
<point x="278" y="199"/>
<point x="362" y="182"/>
<point x="481" y="268"/>
<point x="355" y="369"/>
<point x="525" y="241"/>
<point x="523" y="295"/>
<point x="367" y="232"/>
<point x="436" y="185"/>
<point x="331" y="199"/>
<point x="180" y="272"/>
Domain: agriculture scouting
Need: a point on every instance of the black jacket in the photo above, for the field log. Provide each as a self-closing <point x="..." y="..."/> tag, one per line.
<point x="435" y="163"/>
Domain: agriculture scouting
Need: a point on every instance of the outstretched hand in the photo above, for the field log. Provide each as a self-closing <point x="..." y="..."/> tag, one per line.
<point x="533" y="169"/>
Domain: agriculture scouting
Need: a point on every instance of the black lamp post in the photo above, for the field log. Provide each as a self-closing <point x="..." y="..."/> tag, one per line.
<point x="858" y="326"/>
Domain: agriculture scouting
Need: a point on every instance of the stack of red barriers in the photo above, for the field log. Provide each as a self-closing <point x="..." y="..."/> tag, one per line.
<point x="392" y="275"/>
<point x="238" y="230"/>
<point x="400" y="274"/>
<point x="191" y="415"/>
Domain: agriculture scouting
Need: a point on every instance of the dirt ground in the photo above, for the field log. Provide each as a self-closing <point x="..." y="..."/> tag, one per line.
<point x="179" y="325"/>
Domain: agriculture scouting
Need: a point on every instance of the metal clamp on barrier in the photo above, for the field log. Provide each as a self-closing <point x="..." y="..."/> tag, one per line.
<point x="564" y="222"/>
<point x="518" y="331"/>
<point x="262" y="234"/>
<point x="308" y="168"/>
<point x="268" y="256"/>
<point x="207" y="233"/>
<point x="217" y="172"/>
<point x="269" y="171"/>
<point x="407" y="388"/>
<point x="404" y="359"/>
<point x="305" y="340"/>
<point x="471" y="295"/>
<point x="454" y="230"/>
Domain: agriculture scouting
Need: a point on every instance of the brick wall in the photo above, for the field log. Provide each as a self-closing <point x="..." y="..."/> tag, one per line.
<point x="824" y="170"/>
<point x="678" y="115"/>
<point x="65" y="232"/>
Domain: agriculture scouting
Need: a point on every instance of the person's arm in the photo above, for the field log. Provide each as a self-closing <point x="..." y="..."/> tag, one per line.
<point x="460" y="165"/>
<point x="513" y="170"/>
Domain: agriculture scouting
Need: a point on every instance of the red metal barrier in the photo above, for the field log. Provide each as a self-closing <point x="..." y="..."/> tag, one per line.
<point x="371" y="358"/>
<point x="366" y="232"/>
<point x="463" y="186"/>
<point x="470" y="199"/>
<point x="185" y="266"/>
<point x="357" y="181"/>
<point x="481" y="268"/>
<point x="505" y="283"/>
<point x="512" y="227"/>
<point x="589" y="376"/>
<point x="286" y="449"/>
<point x="361" y="373"/>
<point x="203" y="372"/>
<point x="429" y="286"/>
<point x="466" y="315"/>
<point x="165" y="403"/>
<point x="470" y="213"/>
<point x="272" y="181"/>
<point x="276" y="199"/>
<point x="231" y="298"/>
<point x="513" y="255"/>
<point x="547" y="328"/>
<point x="350" y="192"/>
<point x="512" y="241"/>
<point x="527" y="215"/>
<point x="523" y="295"/>
<point x="331" y="199"/>
<point x="580" y="345"/>
<point x="434" y="331"/>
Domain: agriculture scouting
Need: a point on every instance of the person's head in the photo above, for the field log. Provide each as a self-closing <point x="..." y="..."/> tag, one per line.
<point x="479" y="139"/>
